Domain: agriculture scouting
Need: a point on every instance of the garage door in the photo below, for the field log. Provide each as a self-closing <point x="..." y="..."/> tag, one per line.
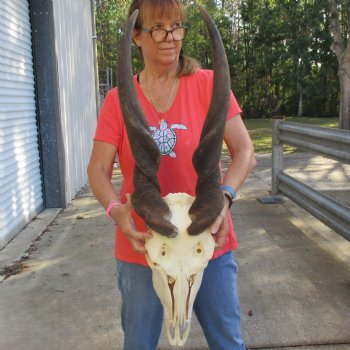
<point x="20" y="179"/>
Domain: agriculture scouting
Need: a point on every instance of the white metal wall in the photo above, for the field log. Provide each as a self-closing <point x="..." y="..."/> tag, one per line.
<point x="74" y="49"/>
<point x="20" y="180"/>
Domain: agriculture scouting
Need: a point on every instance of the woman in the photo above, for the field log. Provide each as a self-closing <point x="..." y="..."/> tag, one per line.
<point x="173" y="92"/>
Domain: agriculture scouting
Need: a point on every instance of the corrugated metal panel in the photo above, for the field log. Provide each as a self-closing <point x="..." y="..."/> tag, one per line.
<point x="74" y="48"/>
<point x="20" y="189"/>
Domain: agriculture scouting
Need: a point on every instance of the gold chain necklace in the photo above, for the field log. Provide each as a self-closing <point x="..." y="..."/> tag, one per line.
<point x="154" y="105"/>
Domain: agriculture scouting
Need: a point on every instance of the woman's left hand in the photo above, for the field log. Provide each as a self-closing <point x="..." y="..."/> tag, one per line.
<point x="219" y="229"/>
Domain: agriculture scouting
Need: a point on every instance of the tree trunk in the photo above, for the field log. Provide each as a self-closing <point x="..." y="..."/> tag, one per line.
<point x="343" y="56"/>
<point x="301" y="102"/>
<point x="344" y="77"/>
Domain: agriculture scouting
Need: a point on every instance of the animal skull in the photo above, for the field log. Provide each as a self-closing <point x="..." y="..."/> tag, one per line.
<point x="177" y="267"/>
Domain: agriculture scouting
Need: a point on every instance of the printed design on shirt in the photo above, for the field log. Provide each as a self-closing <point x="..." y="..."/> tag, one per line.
<point x="165" y="137"/>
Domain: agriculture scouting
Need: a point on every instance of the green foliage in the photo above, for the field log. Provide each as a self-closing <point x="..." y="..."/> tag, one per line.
<point x="278" y="51"/>
<point x="110" y="18"/>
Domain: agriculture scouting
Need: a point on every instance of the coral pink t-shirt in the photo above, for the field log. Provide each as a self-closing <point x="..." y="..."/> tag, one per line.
<point x="185" y="119"/>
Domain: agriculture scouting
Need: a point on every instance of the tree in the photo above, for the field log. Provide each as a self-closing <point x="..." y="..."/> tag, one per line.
<point x="278" y="51"/>
<point x="110" y="18"/>
<point x="341" y="47"/>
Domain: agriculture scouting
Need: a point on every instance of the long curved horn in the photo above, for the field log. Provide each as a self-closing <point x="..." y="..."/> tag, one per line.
<point x="146" y="198"/>
<point x="209" y="200"/>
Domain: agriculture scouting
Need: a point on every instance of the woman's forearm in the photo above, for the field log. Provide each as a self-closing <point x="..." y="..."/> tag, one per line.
<point x="101" y="186"/>
<point x="243" y="161"/>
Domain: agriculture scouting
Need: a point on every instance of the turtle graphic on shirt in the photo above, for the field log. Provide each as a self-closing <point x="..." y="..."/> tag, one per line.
<point x="165" y="137"/>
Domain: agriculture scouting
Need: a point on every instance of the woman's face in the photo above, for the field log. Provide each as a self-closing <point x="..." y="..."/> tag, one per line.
<point x="165" y="53"/>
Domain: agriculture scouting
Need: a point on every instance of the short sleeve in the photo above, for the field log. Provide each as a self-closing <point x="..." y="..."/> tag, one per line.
<point x="234" y="108"/>
<point x="108" y="125"/>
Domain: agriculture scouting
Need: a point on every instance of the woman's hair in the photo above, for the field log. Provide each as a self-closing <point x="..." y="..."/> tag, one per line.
<point x="160" y="8"/>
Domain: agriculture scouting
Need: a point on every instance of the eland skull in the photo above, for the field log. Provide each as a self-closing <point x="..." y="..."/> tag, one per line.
<point x="178" y="265"/>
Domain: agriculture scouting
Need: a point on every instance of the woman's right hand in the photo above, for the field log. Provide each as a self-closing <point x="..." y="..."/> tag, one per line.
<point x="122" y="216"/>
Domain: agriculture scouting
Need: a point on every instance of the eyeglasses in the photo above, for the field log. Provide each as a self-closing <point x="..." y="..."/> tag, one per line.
<point x="159" y="35"/>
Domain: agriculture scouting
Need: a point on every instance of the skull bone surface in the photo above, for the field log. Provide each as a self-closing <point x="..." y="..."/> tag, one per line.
<point x="177" y="267"/>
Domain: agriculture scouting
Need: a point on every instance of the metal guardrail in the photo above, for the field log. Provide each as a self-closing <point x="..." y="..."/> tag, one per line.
<point x="331" y="143"/>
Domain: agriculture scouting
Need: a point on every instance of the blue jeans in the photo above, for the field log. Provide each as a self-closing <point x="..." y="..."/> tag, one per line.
<point x="216" y="306"/>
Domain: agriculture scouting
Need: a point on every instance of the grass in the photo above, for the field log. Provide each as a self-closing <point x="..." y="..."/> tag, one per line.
<point x="261" y="134"/>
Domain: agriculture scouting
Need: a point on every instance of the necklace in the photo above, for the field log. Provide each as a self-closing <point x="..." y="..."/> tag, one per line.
<point x="158" y="111"/>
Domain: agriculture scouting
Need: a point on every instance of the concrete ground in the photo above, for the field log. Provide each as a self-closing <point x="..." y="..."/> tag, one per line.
<point x="294" y="272"/>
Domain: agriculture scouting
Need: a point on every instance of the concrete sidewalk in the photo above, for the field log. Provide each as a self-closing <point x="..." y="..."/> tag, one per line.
<point x="294" y="277"/>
